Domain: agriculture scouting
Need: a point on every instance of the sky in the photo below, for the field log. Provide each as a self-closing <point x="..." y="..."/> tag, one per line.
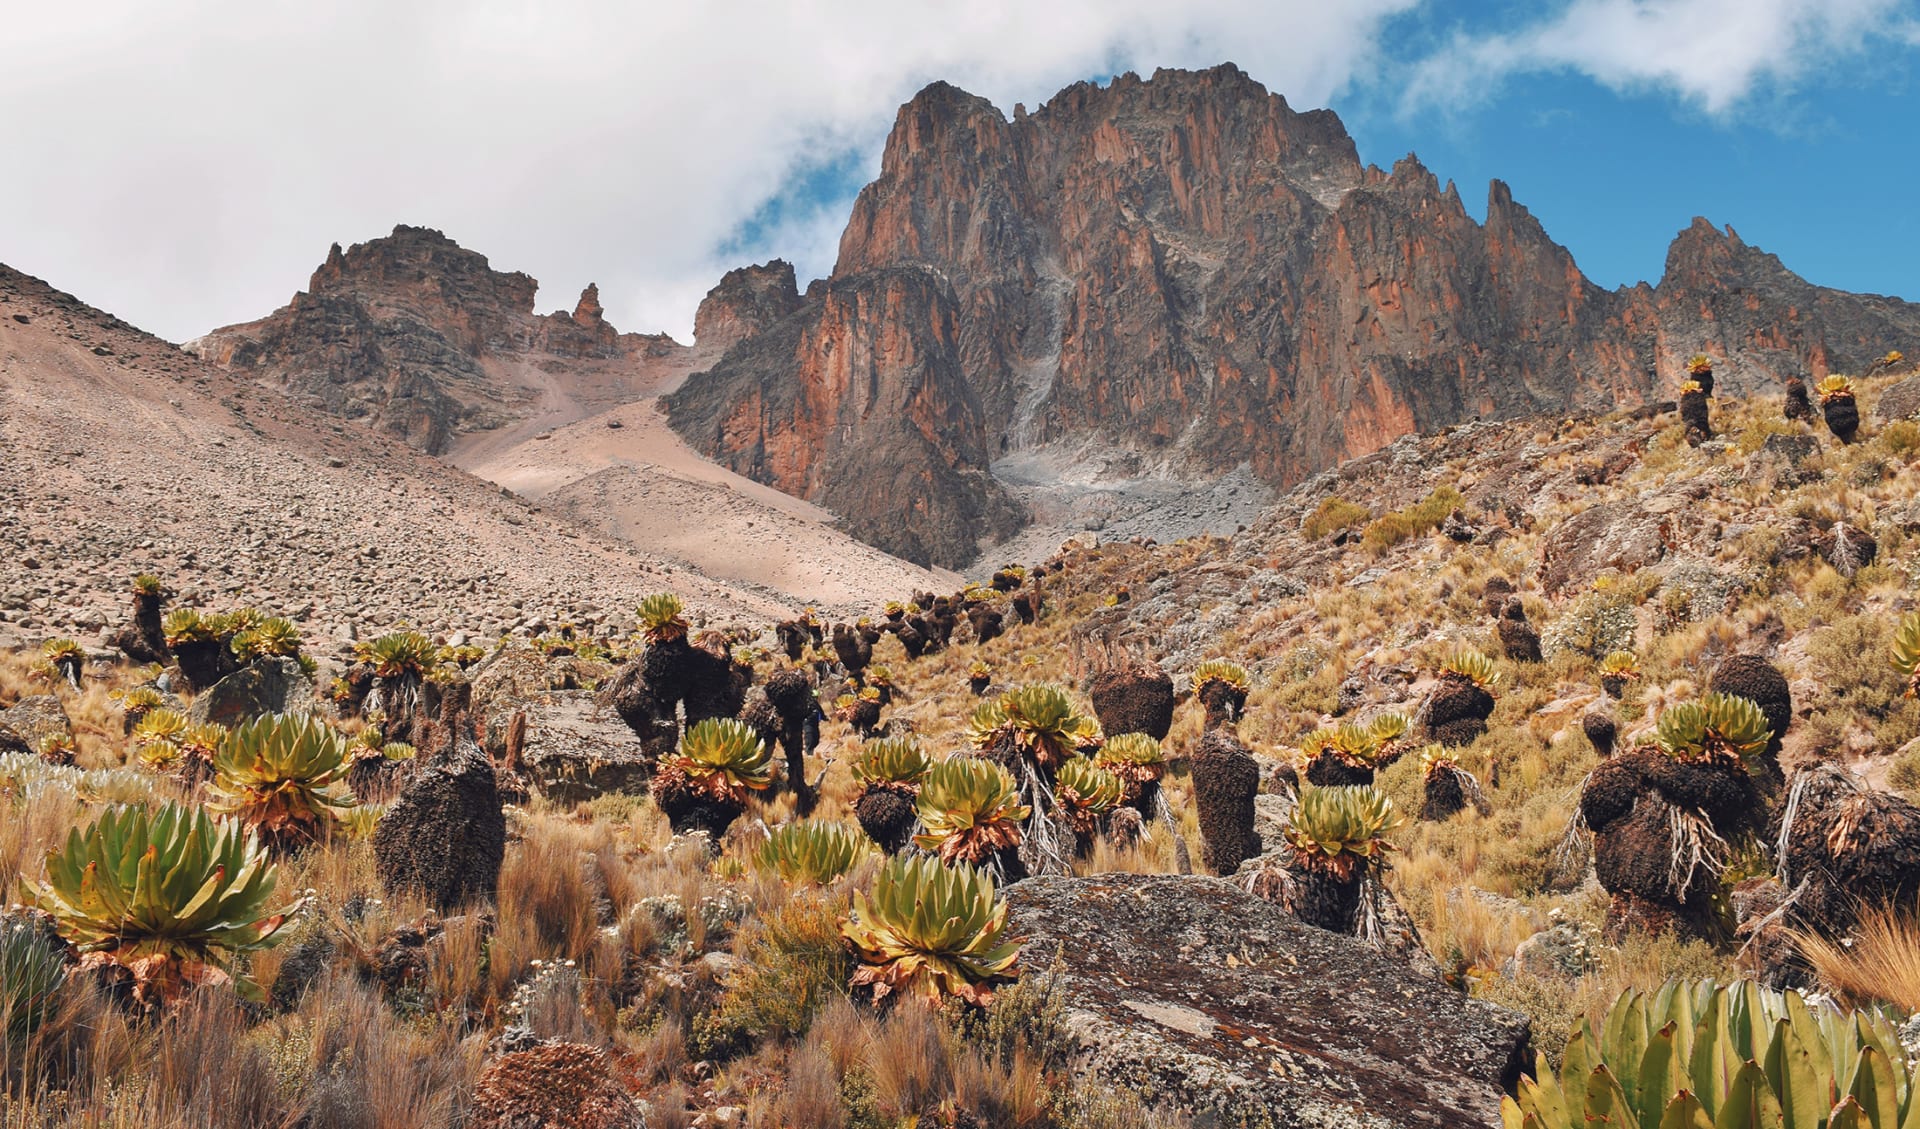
<point x="186" y="164"/>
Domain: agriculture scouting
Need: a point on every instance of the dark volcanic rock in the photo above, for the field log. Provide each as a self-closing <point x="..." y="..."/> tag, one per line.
<point x="266" y="686"/>
<point x="1192" y="993"/>
<point x="1189" y="271"/>
<point x="445" y="836"/>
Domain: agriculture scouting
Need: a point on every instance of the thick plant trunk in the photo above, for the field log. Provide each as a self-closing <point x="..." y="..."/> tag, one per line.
<point x="1843" y="417"/>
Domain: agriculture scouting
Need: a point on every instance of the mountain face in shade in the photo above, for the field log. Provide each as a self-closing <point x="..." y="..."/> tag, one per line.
<point x="1187" y="272"/>
<point x="425" y="340"/>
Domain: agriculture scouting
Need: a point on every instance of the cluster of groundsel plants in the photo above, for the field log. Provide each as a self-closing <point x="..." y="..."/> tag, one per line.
<point x="1086" y="792"/>
<point x="1718" y="729"/>
<point x="164" y="894"/>
<point x="275" y="637"/>
<point x="1360" y="746"/>
<point x="723" y="759"/>
<point x="929" y="931"/>
<point x="1341" y="831"/>
<point x="1220" y="670"/>
<point x="1038" y="722"/>
<point x="1618" y="669"/>
<point x="970" y="808"/>
<point x="1475" y="668"/>
<point x="1704" y="1056"/>
<point x="284" y="777"/>
<point x="164" y="741"/>
<point x="814" y="852"/>
<point x="1136" y="758"/>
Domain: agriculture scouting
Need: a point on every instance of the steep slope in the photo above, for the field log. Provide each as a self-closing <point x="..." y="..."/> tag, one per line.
<point x="1168" y="279"/>
<point x="121" y="454"/>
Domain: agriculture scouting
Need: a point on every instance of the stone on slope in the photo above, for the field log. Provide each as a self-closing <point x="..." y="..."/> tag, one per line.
<point x="576" y="750"/>
<point x="1194" y="994"/>
<point x="1616" y="535"/>
<point x="268" y="686"/>
<point x="35" y="719"/>
<point x="446" y="835"/>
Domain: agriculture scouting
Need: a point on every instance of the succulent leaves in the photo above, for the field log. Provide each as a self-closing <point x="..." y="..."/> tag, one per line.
<point x="1735" y="1057"/>
<point x="163" y="893"/>
<point x="930" y="931"/>
<point x="971" y="808"/>
<point x="280" y="775"/>
<point x="1341" y="830"/>
<point x="1906" y="651"/>
<point x="661" y="619"/>
<point x="725" y="759"/>
<point x="814" y="851"/>
<point x="1720" y="728"/>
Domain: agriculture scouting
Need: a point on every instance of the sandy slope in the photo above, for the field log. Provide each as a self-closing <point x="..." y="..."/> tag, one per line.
<point x="639" y="482"/>
<point x="119" y="453"/>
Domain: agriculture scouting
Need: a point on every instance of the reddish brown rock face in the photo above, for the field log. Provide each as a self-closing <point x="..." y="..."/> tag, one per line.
<point x="1189" y="269"/>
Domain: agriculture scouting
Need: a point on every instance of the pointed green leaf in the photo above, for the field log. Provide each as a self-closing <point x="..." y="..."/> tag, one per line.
<point x="1683" y="1112"/>
<point x="1750" y="1102"/>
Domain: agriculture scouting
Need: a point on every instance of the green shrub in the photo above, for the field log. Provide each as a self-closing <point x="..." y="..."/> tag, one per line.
<point x="1331" y="516"/>
<point x="790" y="964"/>
<point x="1423" y="516"/>
<point x="1852" y="660"/>
<point x="1901" y="438"/>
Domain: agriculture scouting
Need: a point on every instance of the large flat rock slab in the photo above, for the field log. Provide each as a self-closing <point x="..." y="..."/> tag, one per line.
<point x="1194" y="994"/>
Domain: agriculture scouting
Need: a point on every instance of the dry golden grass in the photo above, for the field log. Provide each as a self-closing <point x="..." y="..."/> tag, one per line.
<point x="577" y="883"/>
<point x="1878" y="964"/>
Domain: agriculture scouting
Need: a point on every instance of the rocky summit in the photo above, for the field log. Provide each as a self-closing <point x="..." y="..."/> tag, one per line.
<point x="423" y="339"/>
<point x="1178" y="276"/>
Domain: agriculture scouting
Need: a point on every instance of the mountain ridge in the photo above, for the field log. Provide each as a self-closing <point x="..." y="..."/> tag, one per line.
<point x="1204" y="278"/>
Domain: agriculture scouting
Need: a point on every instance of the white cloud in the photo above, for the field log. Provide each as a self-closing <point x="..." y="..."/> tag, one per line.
<point x="186" y="164"/>
<point x="1710" y="53"/>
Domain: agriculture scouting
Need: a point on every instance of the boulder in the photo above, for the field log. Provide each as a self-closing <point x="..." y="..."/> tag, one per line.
<point x="267" y="686"/>
<point x="1193" y="994"/>
<point x="446" y="834"/>
<point x="1617" y="535"/>
<point x="32" y="720"/>
<point x="1901" y="401"/>
<point x="516" y="673"/>
<point x="575" y="749"/>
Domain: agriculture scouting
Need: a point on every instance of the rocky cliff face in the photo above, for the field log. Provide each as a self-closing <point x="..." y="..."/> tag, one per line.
<point x="412" y="332"/>
<point x="1187" y="271"/>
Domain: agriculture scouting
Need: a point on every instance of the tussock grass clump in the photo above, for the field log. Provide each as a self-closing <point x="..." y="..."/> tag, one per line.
<point x="1420" y="518"/>
<point x="1332" y="515"/>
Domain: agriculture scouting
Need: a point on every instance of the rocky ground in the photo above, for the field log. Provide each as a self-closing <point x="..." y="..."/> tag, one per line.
<point x="123" y="454"/>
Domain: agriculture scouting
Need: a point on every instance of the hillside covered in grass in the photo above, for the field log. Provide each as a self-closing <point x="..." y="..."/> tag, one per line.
<point x="1414" y="798"/>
